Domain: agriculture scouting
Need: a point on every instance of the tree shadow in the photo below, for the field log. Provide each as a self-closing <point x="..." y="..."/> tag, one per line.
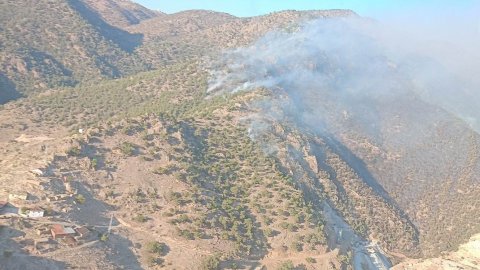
<point x="92" y="211"/>
<point x="121" y="253"/>
<point x="8" y="90"/>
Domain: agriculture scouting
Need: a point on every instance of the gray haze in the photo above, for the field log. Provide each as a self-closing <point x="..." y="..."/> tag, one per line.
<point x="351" y="68"/>
<point x="398" y="100"/>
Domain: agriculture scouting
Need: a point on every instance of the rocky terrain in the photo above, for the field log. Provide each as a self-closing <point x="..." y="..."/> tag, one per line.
<point x="120" y="151"/>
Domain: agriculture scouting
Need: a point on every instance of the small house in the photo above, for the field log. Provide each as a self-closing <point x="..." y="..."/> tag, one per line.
<point x="36" y="212"/>
<point x="60" y="231"/>
<point x="83" y="232"/>
<point x="18" y="196"/>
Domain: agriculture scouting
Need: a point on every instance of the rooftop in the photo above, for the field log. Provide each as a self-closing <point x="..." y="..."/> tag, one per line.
<point x="59" y="229"/>
<point x="36" y="209"/>
<point x="82" y="231"/>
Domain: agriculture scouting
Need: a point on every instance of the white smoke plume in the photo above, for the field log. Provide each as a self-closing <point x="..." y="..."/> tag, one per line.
<point x="349" y="66"/>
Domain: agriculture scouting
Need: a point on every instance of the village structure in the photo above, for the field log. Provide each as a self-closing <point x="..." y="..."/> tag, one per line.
<point x="48" y="233"/>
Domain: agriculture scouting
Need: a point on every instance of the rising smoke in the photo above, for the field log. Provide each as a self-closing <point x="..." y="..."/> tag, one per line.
<point x="351" y="69"/>
<point x="400" y="97"/>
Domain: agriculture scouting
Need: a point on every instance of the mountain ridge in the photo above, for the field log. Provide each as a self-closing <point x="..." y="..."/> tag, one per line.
<point x="116" y="44"/>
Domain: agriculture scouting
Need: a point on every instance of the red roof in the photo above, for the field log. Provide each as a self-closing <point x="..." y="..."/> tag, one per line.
<point x="58" y="229"/>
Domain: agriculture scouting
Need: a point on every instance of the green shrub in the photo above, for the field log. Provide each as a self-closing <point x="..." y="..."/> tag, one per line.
<point x="288" y="265"/>
<point x="127" y="148"/>
<point x="186" y="234"/>
<point x="297" y="246"/>
<point x="94" y="163"/>
<point x="299" y="218"/>
<point x="183" y="219"/>
<point x="109" y="194"/>
<point x="161" y="170"/>
<point x="104" y="237"/>
<point x="156" y="247"/>
<point x="74" y="151"/>
<point x="80" y="199"/>
<point x="292" y="227"/>
<point x="210" y="263"/>
<point x="344" y="258"/>
<point x="169" y="169"/>
<point x="269" y="232"/>
<point x="140" y="218"/>
<point x="153" y="261"/>
<point x="23" y="210"/>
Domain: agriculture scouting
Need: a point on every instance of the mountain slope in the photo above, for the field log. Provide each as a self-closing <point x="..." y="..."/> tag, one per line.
<point x="48" y="43"/>
<point x="186" y="35"/>
<point x="187" y="176"/>
<point x="61" y="43"/>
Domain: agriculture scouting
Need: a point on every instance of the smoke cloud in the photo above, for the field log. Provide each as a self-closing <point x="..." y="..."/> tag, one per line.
<point x="397" y="100"/>
<point x="350" y="68"/>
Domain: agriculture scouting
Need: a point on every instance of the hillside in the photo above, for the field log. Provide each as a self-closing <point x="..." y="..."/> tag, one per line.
<point x="49" y="43"/>
<point x="167" y="177"/>
<point x="181" y="157"/>
<point x="199" y="140"/>
<point x="186" y="35"/>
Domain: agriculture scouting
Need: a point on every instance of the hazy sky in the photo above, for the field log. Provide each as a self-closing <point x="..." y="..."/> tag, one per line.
<point x="372" y="8"/>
